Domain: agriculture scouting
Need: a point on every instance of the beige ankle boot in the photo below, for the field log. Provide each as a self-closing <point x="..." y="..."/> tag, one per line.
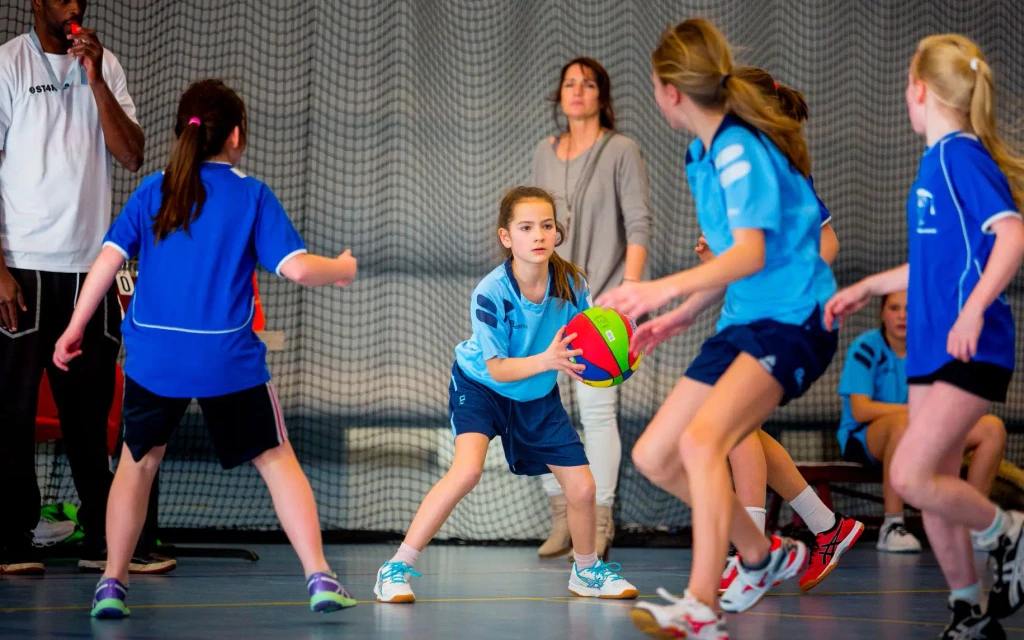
<point x="559" y="542"/>
<point x="605" y="532"/>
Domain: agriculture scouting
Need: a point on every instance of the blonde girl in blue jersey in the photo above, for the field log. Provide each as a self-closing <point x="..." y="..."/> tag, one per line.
<point x="748" y="170"/>
<point x="198" y="229"/>
<point x="503" y="384"/>
<point x="966" y="244"/>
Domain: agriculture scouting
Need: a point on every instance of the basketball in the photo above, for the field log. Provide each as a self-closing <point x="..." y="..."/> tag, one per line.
<point x="603" y="335"/>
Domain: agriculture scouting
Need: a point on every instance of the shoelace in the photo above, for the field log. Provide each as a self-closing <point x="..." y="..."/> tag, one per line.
<point x="665" y="595"/>
<point x="605" y="571"/>
<point x="897" y="528"/>
<point x="396" y="572"/>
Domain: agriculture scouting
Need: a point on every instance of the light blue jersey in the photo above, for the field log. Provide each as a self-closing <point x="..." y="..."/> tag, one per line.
<point x="507" y="325"/>
<point x="959" y="192"/>
<point x="874" y="370"/>
<point x="188" y="330"/>
<point x="745" y="182"/>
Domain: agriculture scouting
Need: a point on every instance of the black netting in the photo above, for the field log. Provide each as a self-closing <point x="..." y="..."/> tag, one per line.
<point x="393" y="128"/>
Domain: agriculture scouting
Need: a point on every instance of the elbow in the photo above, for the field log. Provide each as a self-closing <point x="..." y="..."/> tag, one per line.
<point x="496" y="373"/>
<point x="133" y="163"/>
<point x="297" y="270"/>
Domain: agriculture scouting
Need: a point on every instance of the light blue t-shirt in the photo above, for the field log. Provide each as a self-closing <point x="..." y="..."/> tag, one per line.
<point x="188" y="329"/>
<point x="507" y="325"/>
<point x="826" y="215"/>
<point x="744" y="182"/>
<point x="959" y="192"/>
<point x="874" y="370"/>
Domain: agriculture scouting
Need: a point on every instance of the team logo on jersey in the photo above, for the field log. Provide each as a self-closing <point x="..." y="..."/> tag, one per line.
<point x="46" y="88"/>
<point x="925" y="211"/>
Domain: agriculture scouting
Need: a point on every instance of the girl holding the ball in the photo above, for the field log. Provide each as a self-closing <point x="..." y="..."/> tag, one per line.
<point x="503" y="384"/>
<point x="747" y="169"/>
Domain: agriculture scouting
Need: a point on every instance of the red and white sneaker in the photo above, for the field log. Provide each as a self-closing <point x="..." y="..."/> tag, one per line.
<point x="786" y="558"/>
<point x="684" y="617"/>
<point x="729" y="574"/>
<point x="829" y="546"/>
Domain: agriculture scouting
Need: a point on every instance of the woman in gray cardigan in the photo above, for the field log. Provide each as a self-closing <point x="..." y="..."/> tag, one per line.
<point x="599" y="181"/>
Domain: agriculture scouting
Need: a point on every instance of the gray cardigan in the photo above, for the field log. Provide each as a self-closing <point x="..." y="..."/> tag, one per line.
<point x="616" y="207"/>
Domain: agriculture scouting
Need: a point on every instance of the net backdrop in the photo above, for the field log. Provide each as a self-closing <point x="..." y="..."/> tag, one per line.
<point x="393" y="128"/>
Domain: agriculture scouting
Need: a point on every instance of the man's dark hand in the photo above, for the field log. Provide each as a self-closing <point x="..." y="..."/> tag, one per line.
<point x="10" y="301"/>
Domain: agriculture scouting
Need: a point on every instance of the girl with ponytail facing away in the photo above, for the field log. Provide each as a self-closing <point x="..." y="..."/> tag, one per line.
<point x="198" y="230"/>
<point x="747" y="169"/>
<point x="966" y="244"/>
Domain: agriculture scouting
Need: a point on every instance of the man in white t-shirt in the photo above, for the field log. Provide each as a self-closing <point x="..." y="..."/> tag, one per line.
<point x="64" y="111"/>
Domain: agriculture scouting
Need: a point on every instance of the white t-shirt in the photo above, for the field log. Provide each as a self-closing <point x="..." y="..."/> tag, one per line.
<point x="55" y="171"/>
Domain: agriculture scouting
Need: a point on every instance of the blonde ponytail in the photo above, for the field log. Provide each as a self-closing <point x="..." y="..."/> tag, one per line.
<point x="956" y="73"/>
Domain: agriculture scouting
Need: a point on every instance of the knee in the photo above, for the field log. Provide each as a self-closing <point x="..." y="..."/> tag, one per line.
<point x="466" y="477"/>
<point x="653" y="463"/>
<point x="992" y="431"/>
<point x="906" y="480"/>
<point x="701" y="442"/>
<point x="582" y="493"/>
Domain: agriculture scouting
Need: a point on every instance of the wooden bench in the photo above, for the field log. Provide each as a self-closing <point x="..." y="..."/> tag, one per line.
<point x="822" y="476"/>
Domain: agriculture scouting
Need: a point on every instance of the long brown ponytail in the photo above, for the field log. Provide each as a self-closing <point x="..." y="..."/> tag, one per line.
<point x="565" y="274"/>
<point x="207" y="114"/>
<point x="694" y="57"/>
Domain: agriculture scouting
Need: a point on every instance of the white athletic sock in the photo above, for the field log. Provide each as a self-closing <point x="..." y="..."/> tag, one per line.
<point x="406" y="554"/>
<point x="585" y="561"/>
<point x="813" y="511"/>
<point x="758" y="515"/>
<point x="891" y="518"/>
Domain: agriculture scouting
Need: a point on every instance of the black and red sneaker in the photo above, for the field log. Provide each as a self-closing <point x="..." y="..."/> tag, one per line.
<point x="828" y="547"/>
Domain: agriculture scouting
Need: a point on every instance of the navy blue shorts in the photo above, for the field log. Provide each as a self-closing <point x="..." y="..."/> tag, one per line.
<point x="534" y="434"/>
<point x="795" y="355"/>
<point x="857" y="450"/>
<point x="983" y="379"/>
<point x="242" y="425"/>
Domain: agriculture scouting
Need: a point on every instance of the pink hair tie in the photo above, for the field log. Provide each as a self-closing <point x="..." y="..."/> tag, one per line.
<point x="195" y="121"/>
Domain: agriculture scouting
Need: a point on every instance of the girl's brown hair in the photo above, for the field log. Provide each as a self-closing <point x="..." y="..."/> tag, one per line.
<point x="565" y="274"/>
<point x="207" y="114"/>
<point x="791" y="102"/>
<point x="694" y="57"/>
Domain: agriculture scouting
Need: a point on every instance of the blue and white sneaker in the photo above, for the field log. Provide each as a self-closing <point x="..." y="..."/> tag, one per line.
<point x="393" y="583"/>
<point x="600" y="581"/>
<point x="108" y="601"/>
<point x="326" y="594"/>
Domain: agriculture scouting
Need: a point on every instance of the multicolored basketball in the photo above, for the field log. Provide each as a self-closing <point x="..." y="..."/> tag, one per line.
<point x="603" y="335"/>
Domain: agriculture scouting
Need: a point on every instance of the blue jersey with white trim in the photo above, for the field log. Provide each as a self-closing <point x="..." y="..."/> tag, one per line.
<point x="959" y="192"/>
<point x="826" y="215"/>
<point x="744" y="182"/>
<point x="188" y="329"/>
<point x="507" y="325"/>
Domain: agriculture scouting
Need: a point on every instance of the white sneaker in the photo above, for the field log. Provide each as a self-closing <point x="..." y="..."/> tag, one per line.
<point x="729" y="573"/>
<point x="895" y="538"/>
<point x="393" y="583"/>
<point x="786" y="559"/>
<point x="48" y="533"/>
<point x="600" y="581"/>
<point x="684" y="617"/>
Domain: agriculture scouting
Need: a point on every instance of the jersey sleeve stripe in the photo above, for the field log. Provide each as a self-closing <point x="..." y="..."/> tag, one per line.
<point x="859" y="357"/>
<point x="119" y="249"/>
<point x="285" y="259"/>
<point x="986" y="227"/>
